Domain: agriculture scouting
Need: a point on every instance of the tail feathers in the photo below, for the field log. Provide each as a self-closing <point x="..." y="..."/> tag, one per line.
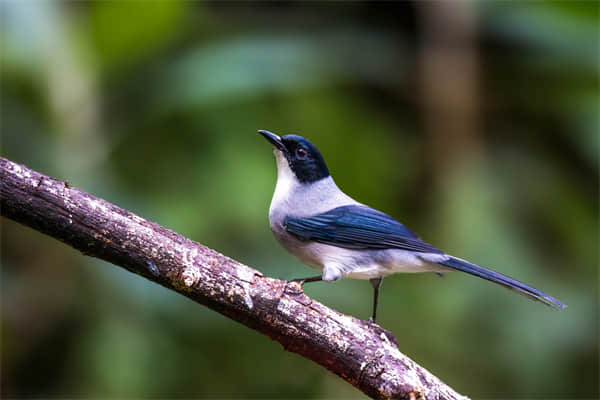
<point x="508" y="282"/>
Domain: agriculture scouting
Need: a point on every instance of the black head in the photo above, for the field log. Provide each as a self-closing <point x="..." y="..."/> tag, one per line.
<point x="303" y="157"/>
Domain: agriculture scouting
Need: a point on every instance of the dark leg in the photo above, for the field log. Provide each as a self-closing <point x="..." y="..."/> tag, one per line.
<point x="306" y="280"/>
<point x="376" y="282"/>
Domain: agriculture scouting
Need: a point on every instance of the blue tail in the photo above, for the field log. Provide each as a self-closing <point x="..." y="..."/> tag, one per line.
<point x="508" y="282"/>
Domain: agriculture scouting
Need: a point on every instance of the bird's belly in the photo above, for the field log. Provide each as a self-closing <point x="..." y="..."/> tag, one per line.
<point x="381" y="263"/>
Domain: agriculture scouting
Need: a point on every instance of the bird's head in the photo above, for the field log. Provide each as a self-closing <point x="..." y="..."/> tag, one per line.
<point x="300" y="155"/>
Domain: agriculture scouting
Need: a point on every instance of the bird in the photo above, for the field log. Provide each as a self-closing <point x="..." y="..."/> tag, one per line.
<point x="326" y="229"/>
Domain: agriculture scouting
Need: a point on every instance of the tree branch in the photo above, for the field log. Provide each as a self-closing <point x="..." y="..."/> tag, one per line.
<point x="363" y="354"/>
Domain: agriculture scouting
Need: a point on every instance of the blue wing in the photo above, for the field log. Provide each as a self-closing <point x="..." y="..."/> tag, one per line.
<point x="357" y="227"/>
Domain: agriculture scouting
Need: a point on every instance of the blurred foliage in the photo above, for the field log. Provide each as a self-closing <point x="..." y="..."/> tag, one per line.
<point x="155" y="106"/>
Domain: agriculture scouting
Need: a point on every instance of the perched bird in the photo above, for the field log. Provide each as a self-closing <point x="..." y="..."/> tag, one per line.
<point x="326" y="229"/>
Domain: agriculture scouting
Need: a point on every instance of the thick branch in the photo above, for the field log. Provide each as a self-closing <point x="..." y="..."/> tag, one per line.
<point x="364" y="355"/>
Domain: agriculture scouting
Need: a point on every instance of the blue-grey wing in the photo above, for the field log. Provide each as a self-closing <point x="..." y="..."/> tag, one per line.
<point x="357" y="227"/>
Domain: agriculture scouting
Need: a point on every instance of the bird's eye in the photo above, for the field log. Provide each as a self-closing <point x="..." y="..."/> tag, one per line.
<point x="300" y="152"/>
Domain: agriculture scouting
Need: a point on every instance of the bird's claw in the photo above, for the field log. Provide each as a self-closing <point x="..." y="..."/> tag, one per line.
<point x="295" y="286"/>
<point x="299" y="281"/>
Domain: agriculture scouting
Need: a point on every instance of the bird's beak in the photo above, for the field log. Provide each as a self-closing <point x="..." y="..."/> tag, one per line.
<point x="274" y="139"/>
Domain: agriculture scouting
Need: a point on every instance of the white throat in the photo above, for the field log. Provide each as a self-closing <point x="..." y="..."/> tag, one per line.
<point x="301" y="199"/>
<point x="286" y="180"/>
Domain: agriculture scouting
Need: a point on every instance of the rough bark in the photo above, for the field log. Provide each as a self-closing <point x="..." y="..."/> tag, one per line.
<point x="363" y="354"/>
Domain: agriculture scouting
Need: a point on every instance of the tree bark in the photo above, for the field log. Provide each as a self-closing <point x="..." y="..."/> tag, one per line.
<point x="363" y="354"/>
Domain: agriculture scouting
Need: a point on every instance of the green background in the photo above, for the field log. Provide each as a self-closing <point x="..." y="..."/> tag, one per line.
<point x="480" y="134"/>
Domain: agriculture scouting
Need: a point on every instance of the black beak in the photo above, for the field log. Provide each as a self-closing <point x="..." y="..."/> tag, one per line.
<point x="274" y="139"/>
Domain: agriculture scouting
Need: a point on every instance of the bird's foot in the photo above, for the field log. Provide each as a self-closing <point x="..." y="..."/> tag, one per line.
<point x="298" y="281"/>
<point x="294" y="286"/>
<point x="302" y="281"/>
<point x="382" y="333"/>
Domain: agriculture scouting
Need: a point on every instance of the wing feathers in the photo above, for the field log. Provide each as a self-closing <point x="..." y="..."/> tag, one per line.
<point x="357" y="227"/>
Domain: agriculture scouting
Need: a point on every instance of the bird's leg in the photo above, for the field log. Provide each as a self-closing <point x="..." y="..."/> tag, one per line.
<point x="376" y="282"/>
<point x="306" y="280"/>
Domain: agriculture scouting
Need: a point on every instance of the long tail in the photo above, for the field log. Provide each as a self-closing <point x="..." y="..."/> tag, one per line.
<point x="508" y="282"/>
